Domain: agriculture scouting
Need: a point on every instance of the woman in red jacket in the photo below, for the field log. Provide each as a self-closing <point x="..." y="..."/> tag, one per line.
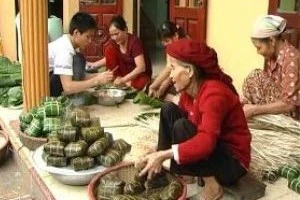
<point x="207" y="134"/>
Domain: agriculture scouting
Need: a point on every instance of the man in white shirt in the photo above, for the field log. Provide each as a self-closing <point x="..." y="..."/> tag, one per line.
<point x="61" y="58"/>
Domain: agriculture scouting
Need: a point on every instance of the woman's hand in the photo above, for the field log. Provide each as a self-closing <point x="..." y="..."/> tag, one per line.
<point x="119" y="81"/>
<point x="157" y="91"/>
<point x="140" y="163"/>
<point x="153" y="90"/>
<point x="154" y="162"/>
<point x="249" y="110"/>
<point x="162" y="89"/>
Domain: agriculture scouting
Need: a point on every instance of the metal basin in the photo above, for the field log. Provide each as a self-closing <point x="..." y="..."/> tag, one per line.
<point x="110" y="97"/>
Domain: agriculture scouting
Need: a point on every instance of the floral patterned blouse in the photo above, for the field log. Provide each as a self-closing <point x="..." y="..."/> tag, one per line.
<point x="285" y="71"/>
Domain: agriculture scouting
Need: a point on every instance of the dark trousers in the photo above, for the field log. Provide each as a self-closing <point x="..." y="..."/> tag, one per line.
<point x="175" y="128"/>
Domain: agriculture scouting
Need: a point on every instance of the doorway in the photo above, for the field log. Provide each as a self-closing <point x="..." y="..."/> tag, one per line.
<point x="191" y="15"/>
<point x="150" y="15"/>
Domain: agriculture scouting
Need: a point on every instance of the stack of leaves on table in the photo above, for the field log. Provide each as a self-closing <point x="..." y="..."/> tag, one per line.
<point x="82" y="142"/>
<point x="160" y="187"/>
<point x="10" y="83"/>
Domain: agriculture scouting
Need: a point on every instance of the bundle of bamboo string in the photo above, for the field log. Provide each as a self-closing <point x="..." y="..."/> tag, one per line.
<point x="275" y="143"/>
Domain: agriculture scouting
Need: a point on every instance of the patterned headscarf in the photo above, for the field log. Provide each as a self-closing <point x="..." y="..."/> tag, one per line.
<point x="200" y="55"/>
<point x="267" y="26"/>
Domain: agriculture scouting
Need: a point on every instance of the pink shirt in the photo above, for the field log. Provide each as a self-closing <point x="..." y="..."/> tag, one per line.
<point x="285" y="73"/>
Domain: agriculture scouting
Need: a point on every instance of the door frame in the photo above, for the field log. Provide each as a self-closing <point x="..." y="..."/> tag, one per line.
<point x="292" y="18"/>
<point x="202" y="17"/>
<point x="138" y="17"/>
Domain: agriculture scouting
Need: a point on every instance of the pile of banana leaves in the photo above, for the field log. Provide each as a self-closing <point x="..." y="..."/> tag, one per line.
<point x="143" y="99"/>
<point x="10" y="83"/>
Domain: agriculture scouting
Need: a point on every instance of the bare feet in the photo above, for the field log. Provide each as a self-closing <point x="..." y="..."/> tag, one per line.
<point x="212" y="189"/>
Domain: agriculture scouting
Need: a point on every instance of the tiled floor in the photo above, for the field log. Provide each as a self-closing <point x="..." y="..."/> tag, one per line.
<point x="12" y="184"/>
<point x="277" y="191"/>
<point x="280" y="191"/>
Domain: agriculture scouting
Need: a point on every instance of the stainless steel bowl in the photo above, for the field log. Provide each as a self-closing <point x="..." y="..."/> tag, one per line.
<point x="110" y="97"/>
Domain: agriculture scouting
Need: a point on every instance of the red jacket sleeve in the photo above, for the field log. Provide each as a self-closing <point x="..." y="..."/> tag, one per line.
<point x="213" y="109"/>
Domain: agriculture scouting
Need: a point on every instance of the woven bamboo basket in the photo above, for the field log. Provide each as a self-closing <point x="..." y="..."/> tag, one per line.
<point x="31" y="143"/>
<point x="4" y="146"/>
<point x="125" y="172"/>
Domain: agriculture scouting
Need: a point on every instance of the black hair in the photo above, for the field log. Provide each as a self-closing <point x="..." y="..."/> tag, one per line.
<point x="82" y="22"/>
<point x="118" y="22"/>
<point x="168" y="29"/>
<point x="199" y="72"/>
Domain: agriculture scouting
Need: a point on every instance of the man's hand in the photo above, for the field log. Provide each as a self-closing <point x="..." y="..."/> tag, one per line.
<point x="104" y="77"/>
<point x="91" y="65"/>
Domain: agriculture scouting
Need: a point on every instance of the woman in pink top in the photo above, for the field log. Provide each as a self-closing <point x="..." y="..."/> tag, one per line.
<point x="276" y="88"/>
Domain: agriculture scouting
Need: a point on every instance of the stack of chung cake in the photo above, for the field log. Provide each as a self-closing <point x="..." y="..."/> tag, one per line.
<point x="41" y="121"/>
<point x="162" y="187"/>
<point x="82" y="142"/>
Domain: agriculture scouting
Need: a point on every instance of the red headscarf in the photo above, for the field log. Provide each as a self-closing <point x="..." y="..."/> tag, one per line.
<point x="200" y="55"/>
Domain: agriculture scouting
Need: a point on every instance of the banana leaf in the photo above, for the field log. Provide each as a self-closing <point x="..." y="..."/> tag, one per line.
<point x="9" y="67"/>
<point x="15" y="96"/>
<point x="143" y="99"/>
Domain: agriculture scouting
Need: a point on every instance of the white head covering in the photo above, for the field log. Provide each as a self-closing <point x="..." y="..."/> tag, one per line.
<point x="267" y="26"/>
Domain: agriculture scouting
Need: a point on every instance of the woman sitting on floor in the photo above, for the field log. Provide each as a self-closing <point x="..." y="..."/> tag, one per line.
<point x="168" y="32"/>
<point x="125" y="56"/>
<point x="207" y="134"/>
<point x="276" y="88"/>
